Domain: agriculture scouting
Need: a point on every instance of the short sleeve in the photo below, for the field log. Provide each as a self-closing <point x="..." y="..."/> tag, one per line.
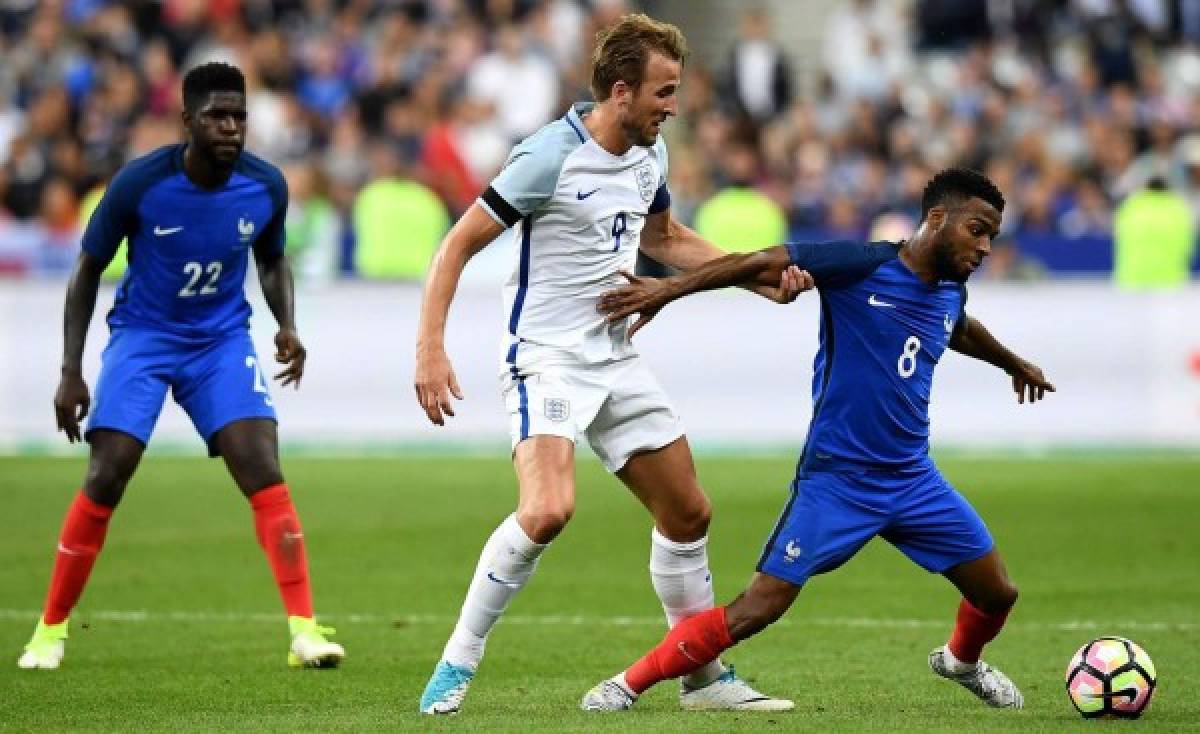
<point x="839" y="264"/>
<point x="526" y="182"/>
<point x="115" y="217"/>
<point x="270" y="244"/>
<point x="662" y="194"/>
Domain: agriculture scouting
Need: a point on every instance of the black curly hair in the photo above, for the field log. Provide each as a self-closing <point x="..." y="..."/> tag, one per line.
<point x="215" y="76"/>
<point x="959" y="185"/>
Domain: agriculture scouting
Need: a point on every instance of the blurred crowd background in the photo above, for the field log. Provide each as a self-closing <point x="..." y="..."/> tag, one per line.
<point x="389" y="118"/>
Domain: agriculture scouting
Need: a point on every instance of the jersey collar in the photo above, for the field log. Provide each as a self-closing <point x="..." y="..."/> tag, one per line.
<point x="574" y="118"/>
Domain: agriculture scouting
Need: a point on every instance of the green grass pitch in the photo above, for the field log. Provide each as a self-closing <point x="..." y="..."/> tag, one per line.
<point x="181" y="628"/>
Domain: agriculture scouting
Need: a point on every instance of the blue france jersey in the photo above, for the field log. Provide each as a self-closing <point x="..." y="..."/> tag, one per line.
<point x="883" y="331"/>
<point x="188" y="246"/>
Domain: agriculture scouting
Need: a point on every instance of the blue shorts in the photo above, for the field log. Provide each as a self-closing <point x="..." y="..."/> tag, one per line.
<point x="831" y="515"/>
<point x="216" y="381"/>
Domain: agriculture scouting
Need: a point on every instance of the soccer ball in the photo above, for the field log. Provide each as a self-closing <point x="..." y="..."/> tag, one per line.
<point x="1111" y="677"/>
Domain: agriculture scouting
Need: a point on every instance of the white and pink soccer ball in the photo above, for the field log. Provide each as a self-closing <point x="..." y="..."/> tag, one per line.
<point x="1111" y="677"/>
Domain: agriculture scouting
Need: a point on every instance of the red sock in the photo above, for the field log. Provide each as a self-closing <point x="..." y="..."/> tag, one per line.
<point x="279" y="534"/>
<point x="81" y="539"/>
<point x="690" y="645"/>
<point x="974" y="629"/>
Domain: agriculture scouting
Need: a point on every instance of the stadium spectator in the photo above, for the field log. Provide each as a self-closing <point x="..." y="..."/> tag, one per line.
<point x="759" y="76"/>
<point x="739" y="218"/>
<point x="398" y="221"/>
<point x="1155" y="236"/>
<point x="1084" y="99"/>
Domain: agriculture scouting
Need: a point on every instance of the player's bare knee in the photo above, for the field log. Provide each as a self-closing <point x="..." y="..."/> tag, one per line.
<point x="543" y="524"/>
<point x="996" y="600"/>
<point x="107" y="477"/>
<point x="257" y="476"/>
<point x="685" y="523"/>
<point x="1006" y="597"/>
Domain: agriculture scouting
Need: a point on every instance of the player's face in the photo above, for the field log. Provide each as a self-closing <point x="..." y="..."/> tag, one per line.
<point x="654" y="100"/>
<point x="965" y="238"/>
<point x="218" y="127"/>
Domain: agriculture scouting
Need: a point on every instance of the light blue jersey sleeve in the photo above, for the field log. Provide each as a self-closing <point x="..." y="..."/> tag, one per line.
<point x="530" y="174"/>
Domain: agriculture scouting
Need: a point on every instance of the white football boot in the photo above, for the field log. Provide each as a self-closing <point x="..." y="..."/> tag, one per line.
<point x="990" y="685"/>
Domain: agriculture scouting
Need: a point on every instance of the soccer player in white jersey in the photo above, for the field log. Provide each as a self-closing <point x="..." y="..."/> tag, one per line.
<point x="583" y="192"/>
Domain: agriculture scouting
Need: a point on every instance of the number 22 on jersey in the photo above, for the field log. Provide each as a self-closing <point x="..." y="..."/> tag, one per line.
<point x="195" y="272"/>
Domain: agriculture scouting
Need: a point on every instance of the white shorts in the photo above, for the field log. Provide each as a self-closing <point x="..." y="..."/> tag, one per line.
<point x="618" y="406"/>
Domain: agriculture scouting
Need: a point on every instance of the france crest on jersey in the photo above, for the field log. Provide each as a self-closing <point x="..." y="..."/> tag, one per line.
<point x="179" y="319"/>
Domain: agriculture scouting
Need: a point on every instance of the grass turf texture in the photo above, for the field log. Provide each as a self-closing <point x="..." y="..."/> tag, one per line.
<point x="394" y="541"/>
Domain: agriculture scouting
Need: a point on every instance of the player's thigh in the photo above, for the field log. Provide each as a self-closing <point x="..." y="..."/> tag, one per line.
<point x="636" y="416"/>
<point x="250" y="448"/>
<point x="827" y="520"/>
<point x="935" y="526"/>
<point x="221" y="384"/>
<point x="664" y="480"/>
<point x="135" y="372"/>
<point x="545" y="467"/>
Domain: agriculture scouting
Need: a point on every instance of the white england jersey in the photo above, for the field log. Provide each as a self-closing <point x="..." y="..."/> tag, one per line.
<point x="579" y="212"/>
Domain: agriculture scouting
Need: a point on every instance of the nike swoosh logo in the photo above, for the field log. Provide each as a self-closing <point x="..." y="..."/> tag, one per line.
<point x="1130" y="693"/>
<point x="510" y="584"/>
<point x="163" y="232"/>
<point x="64" y="549"/>
<point x="882" y="304"/>
<point x="293" y="536"/>
<point x="581" y="196"/>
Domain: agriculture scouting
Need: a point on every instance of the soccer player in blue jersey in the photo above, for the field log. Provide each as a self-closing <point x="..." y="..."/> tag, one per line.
<point x="192" y="213"/>
<point x="888" y="313"/>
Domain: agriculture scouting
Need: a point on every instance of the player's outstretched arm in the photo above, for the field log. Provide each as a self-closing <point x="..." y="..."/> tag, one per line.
<point x="275" y="275"/>
<point x="973" y="340"/>
<point x="434" y="377"/>
<point x="72" y="400"/>
<point x="647" y="296"/>
<point x="679" y="246"/>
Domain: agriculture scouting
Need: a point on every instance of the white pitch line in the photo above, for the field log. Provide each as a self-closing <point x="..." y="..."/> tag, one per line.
<point x="142" y="615"/>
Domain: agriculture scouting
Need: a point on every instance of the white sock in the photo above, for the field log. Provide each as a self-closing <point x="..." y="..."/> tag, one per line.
<point x="954" y="665"/>
<point x="679" y="572"/>
<point x="508" y="560"/>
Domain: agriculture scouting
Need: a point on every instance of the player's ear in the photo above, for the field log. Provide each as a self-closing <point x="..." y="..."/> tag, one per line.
<point x="622" y="92"/>
<point x="936" y="217"/>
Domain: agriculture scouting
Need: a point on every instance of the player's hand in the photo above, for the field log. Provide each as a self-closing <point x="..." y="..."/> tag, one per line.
<point x="643" y="296"/>
<point x="435" y="383"/>
<point x="792" y="282"/>
<point x="71" y="404"/>
<point x="289" y="351"/>
<point x="1029" y="382"/>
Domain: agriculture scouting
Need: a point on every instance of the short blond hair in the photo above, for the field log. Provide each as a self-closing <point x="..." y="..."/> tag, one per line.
<point x="622" y="50"/>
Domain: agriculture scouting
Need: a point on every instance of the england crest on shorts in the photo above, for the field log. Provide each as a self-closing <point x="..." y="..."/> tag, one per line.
<point x="557" y="409"/>
<point x="645" y="181"/>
